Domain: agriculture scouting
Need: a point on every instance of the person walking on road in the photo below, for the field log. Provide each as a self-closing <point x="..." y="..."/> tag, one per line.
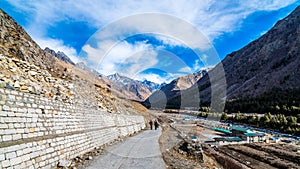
<point x="156" y="124"/>
<point x="151" y="124"/>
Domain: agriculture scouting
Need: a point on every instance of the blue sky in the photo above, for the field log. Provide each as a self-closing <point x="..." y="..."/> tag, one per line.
<point x="73" y="26"/>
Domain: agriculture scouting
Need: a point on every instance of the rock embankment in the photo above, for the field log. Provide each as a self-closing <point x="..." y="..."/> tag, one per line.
<point x="25" y="77"/>
<point x="16" y="43"/>
<point x="69" y="86"/>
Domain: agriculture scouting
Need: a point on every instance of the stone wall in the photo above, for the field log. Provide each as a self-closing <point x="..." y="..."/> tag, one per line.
<point x="36" y="132"/>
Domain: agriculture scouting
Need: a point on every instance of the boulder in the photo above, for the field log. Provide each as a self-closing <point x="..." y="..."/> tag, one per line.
<point x="17" y="84"/>
<point x="32" y="73"/>
<point x="9" y="86"/>
<point x="2" y="84"/>
<point x="64" y="163"/>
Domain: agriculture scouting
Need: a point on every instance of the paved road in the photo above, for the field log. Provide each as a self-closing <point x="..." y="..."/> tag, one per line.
<point x="138" y="152"/>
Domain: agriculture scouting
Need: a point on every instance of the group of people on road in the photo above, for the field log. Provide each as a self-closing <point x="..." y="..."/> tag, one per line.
<point x="155" y="123"/>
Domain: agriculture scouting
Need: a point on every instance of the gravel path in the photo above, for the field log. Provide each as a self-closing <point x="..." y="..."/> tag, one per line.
<point x="138" y="152"/>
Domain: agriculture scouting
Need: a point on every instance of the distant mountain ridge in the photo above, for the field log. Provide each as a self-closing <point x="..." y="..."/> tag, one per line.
<point x="60" y="55"/>
<point x="141" y="89"/>
<point x="185" y="82"/>
<point x="174" y="88"/>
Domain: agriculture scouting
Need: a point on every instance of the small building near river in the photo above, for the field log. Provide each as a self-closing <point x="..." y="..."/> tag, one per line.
<point x="239" y="135"/>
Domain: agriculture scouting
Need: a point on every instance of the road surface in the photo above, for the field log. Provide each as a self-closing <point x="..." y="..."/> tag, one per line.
<point x="137" y="152"/>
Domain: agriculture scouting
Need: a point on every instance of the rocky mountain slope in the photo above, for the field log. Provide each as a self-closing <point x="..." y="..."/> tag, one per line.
<point x="187" y="81"/>
<point x="15" y="42"/>
<point x="264" y="66"/>
<point x="174" y="88"/>
<point x="270" y="61"/>
<point x="27" y="68"/>
<point x="60" y="55"/>
<point x="136" y="90"/>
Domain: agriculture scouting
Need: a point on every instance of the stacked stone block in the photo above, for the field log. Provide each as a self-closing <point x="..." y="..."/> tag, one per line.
<point x="37" y="132"/>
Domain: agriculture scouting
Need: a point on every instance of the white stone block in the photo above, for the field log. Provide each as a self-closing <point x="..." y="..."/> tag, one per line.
<point x="26" y="157"/>
<point x="12" y="148"/>
<point x="5" y="108"/>
<point x="31" y="167"/>
<point x="28" y="163"/>
<point x="26" y="150"/>
<point x="34" y="154"/>
<point x="6" y="137"/>
<point x="3" y="113"/>
<point x="15" y="161"/>
<point x="34" y="119"/>
<point x="23" y="120"/>
<point x="20" y="131"/>
<point x="49" y="166"/>
<point x="5" y="163"/>
<point x="40" y="133"/>
<point x="19" y="153"/>
<point x="22" y="110"/>
<point x="29" y="144"/>
<point x="24" y="136"/>
<point x="31" y="110"/>
<point x="11" y="119"/>
<point x="14" y="109"/>
<point x="43" y="157"/>
<point x="22" y="146"/>
<point x="10" y="131"/>
<point x="11" y="114"/>
<point x="21" y="166"/>
<point x="50" y="150"/>
<point x="10" y="155"/>
<point x="20" y="104"/>
<point x="42" y="163"/>
<point x="17" y="136"/>
<point x="14" y="92"/>
<point x="3" y="126"/>
<point x="11" y="97"/>
<point x="2" y="157"/>
<point x="17" y="125"/>
<point x="39" y="111"/>
<point x="19" y="114"/>
<point x="34" y="115"/>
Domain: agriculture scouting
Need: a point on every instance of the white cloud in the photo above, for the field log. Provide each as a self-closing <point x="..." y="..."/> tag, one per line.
<point x="266" y="4"/>
<point x="196" y="65"/>
<point x="168" y="40"/>
<point x="128" y="59"/>
<point x="113" y="56"/>
<point x="185" y="70"/>
<point x="57" y="45"/>
<point x="139" y="62"/>
<point x="211" y="17"/>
